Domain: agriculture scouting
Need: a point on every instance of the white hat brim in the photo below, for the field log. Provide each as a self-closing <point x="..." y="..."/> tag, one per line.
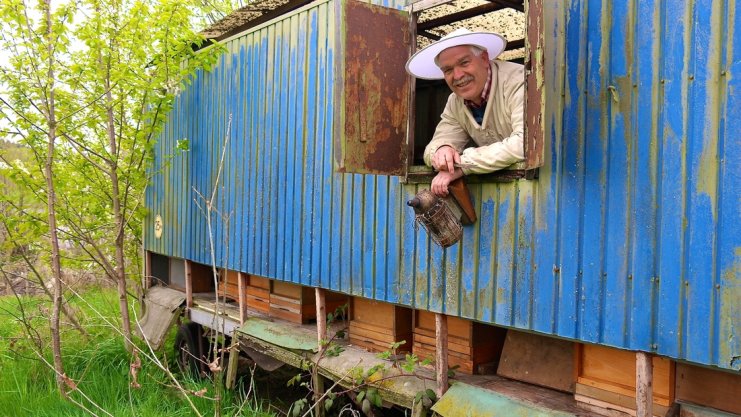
<point x="422" y="63"/>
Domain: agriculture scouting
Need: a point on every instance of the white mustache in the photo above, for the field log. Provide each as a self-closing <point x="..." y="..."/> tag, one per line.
<point x="462" y="80"/>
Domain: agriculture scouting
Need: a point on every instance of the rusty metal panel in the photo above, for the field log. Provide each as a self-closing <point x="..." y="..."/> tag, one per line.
<point x="371" y="136"/>
<point x="534" y="88"/>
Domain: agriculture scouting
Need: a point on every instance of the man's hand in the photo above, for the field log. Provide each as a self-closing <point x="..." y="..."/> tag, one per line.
<point x="442" y="180"/>
<point x="444" y="158"/>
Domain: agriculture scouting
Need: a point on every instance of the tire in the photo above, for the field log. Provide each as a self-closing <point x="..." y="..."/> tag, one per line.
<point x="189" y="347"/>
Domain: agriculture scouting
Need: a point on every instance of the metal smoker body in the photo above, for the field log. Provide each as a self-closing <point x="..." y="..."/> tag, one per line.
<point x="434" y="214"/>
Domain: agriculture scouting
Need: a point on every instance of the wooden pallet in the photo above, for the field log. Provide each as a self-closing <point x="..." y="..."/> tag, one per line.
<point x="297" y="303"/>
<point x="471" y="345"/>
<point x="606" y="377"/>
<point x="375" y="325"/>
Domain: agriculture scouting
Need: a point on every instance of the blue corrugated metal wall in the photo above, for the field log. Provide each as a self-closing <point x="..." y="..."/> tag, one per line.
<point x="629" y="238"/>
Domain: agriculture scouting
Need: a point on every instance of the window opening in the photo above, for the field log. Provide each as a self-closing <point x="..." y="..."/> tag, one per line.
<point x="509" y="19"/>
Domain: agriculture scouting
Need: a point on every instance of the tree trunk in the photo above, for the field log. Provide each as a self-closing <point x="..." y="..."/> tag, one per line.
<point x="120" y="269"/>
<point x="56" y="266"/>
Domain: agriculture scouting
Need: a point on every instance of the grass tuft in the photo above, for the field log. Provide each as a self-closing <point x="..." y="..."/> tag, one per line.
<point x="99" y="366"/>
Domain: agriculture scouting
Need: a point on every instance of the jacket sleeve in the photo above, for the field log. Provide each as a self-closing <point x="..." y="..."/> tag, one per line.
<point x="448" y="132"/>
<point x="500" y="155"/>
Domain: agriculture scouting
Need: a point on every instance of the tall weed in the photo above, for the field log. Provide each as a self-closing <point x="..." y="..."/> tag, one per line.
<point x="99" y="367"/>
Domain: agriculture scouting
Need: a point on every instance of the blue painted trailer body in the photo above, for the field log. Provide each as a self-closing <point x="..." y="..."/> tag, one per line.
<point x="629" y="238"/>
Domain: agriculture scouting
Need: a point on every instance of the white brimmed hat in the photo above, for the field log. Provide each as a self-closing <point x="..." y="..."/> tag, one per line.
<point x="422" y="64"/>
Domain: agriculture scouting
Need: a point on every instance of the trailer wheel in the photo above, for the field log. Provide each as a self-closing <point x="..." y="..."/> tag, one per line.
<point x="189" y="346"/>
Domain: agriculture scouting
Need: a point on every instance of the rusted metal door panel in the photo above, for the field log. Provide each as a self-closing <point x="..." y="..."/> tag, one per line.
<point x="370" y="135"/>
<point x="534" y="77"/>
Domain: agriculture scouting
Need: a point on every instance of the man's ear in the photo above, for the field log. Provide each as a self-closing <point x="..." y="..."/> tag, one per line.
<point x="485" y="56"/>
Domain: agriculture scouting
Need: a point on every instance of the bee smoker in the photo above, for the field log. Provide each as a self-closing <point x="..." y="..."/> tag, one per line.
<point x="434" y="214"/>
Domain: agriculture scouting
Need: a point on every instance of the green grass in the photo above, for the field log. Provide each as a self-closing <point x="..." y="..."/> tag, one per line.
<point x="100" y="367"/>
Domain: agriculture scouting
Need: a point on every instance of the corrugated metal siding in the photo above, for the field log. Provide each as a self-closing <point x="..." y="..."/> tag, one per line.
<point x="635" y="241"/>
<point x="629" y="238"/>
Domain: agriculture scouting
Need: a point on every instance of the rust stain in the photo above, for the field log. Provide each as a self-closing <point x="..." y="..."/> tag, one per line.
<point x="376" y="88"/>
<point x="730" y="294"/>
<point x="535" y="70"/>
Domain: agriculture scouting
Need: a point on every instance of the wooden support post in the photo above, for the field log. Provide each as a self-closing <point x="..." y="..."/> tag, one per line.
<point x="231" y="369"/>
<point x="441" y="356"/>
<point x="321" y="316"/>
<point x="318" y="383"/>
<point x="321" y="334"/>
<point x="188" y="285"/>
<point x="147" y="281"/>
<point x="242" y="288"/>
<point x="644" y="385"/>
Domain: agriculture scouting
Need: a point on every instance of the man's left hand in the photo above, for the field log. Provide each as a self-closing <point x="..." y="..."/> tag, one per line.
<point x="442" y="180"/>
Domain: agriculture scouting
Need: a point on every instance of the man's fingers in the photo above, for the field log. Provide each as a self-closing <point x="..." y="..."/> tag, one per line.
<point x="439" y="186"/>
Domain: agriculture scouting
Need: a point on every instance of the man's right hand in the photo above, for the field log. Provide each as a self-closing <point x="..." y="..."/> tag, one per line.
<point x="444" y="159"/>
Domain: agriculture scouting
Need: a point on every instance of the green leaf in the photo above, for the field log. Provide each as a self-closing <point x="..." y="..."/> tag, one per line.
<point x="182" y="145"/>
<point x="366" y="407"/>
<point x="328" y="403"/>
<point x="431" y="394"/>
<point x="360" y="396"/>
<point x="376" y="398"/>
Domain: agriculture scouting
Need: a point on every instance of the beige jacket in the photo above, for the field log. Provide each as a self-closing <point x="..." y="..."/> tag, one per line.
<point x="499" y="140"/>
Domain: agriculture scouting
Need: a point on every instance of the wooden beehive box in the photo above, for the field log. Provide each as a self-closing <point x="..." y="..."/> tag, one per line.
<point x="297" y="303"/>
<point x="258" y="293"/>
<point x="606" y="377"/>
<point x="470" y="344"/>
<point x="375" y="325"/>
<point x="229" y="284"/>
<point x="709" y="387"/>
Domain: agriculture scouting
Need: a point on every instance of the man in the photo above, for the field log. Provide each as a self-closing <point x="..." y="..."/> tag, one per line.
<point x="487" y="106"/>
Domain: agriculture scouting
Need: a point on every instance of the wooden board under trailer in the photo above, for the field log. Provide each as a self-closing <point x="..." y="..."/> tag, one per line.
<point x="472" y="346"/>
<point x="606" y="377"/>
<point x="376" y="325"/>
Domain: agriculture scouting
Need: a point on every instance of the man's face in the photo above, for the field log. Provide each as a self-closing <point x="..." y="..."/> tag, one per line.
<point x="464" y="72"/>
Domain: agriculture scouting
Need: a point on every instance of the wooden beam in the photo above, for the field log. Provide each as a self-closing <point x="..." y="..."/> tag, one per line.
<point x="147" y="282"/>
<point x="233" y="364"/>
<point x="188" y="285"/>
<point x="644" y="385"/>
<point x="321" y="316"/>
<point x="518" y="5"/>
<point x="492" y="6"/>
<point x="515" y="44"/>
<point x="242" y="285"/>
<point x="429" y="35"/>
<point x="441" y="353"/>
<point x="321" y="333"/>
<point x="427" y="4"/>
<point x="458" y="16"/>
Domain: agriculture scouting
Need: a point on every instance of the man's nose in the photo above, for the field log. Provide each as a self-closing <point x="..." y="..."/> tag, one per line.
<point x="458" y="73"/>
